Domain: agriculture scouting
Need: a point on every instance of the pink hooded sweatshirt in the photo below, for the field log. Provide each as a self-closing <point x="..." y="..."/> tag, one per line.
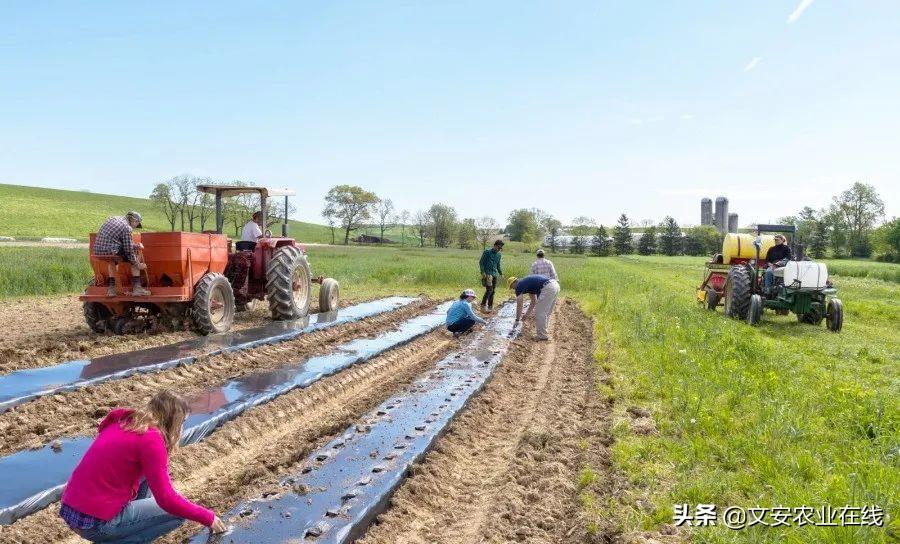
<point x="108" y="475"/>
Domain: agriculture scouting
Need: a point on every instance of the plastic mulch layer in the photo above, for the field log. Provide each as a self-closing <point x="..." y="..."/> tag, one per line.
<point x="345" y="484"/>
<point x="26" y="385"/>
<point x="33" y="479"/>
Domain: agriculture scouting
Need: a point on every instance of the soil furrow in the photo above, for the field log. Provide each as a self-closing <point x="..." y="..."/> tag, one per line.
<point x="507" y="471"/>
<point x="66" y="414"/>
<point x="245" y="456"/>
<point x="44" y="331"/>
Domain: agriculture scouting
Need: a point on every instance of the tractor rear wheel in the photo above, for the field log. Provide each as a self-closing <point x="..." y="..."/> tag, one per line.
<point x="213" y="309"/>
<point x="95" y="314"/>
<point x="288" y="284"/>
<point x="737" y="292"/>
<point x="754" y="312"/>
<point x="329" y="294"/>
<point x="712" y="300"/>
<point x="834" y="317"/>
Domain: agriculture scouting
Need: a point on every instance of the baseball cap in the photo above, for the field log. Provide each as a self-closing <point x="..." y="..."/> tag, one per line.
<point x="540" y="253"/>
<point x="468" y="293"/>
<point x="136" y="216"/>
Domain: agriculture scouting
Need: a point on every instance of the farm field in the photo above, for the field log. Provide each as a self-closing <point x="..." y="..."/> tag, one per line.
<point x="641" y="400"/>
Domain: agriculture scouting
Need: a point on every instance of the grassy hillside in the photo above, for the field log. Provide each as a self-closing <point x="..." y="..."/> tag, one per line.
<point x="34" y="212"/>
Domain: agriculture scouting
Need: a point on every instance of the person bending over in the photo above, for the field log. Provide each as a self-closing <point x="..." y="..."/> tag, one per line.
<point x="460" y="317"/>
<point x="120" y="491"/>
<point x="543" y="292"/>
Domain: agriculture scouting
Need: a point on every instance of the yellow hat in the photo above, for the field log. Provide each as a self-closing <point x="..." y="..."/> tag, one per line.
<point x="510" y="281"/>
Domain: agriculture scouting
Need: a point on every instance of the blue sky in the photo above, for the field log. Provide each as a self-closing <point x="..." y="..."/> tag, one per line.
<point x="580" y="108"/>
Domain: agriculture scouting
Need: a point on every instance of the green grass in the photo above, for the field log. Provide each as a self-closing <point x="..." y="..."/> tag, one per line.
<point x="33" y="212"/>
<point x="26" y="271"/>
<point x="780" y="414"/>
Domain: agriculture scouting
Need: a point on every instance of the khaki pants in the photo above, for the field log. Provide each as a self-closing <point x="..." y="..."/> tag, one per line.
<point x="544" y="307"/>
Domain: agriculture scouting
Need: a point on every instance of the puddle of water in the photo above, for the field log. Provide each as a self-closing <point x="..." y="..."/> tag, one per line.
<point x="349" y="481"/>
<point x="26" y="385"/>
<point x="37" y="477"/>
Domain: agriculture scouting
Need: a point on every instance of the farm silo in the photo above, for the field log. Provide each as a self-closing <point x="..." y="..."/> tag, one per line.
<point x="732" y="222"/>
<point x="706" y="212"/>
<point x="721" y="213"/>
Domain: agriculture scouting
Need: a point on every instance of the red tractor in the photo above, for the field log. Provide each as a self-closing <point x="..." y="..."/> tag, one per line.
<point x="204" y="278"/>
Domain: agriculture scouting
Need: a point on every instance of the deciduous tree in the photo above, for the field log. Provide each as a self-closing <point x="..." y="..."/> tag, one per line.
<point x="350" y="206"/>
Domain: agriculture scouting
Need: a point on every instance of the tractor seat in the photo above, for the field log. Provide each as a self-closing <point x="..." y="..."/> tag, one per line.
<point x="244" y="245"/>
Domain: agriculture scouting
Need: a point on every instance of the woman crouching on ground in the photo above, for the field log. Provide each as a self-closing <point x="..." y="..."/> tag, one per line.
<point x="460" y="316"/>
<point x="120" y="491"/>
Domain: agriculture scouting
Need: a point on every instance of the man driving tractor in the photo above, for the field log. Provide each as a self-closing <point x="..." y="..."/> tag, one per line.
<point x="778" y="255"/>
<point x="114" y="238"/>
<point x="252" y="230"/>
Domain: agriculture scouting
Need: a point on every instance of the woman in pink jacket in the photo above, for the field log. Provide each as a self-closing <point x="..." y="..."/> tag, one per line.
<point x="106" y="500"/>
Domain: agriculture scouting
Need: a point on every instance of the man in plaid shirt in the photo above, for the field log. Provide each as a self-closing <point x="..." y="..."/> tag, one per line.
<point x="544" y="267"/>
<point x="114" y="238"/>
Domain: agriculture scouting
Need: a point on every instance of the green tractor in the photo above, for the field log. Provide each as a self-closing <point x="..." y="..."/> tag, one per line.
<point x="800" y="286"/>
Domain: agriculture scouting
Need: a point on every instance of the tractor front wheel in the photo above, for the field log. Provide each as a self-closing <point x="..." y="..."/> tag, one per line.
<point x="329" y="294"/>
<point x="737" y="292"/>
<point x="213" y="309"/>
<point x="834" y="317"/>
<point x="812" y="317"/>
<point x="288" y="284"/>
<point x="754" y="312"/>
<point x="712" y="300"/>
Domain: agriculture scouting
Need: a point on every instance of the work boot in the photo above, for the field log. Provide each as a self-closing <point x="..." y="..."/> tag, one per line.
<point x="139" y="291"/>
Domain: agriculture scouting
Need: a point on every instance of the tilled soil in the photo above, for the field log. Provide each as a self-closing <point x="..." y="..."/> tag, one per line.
<point x="245" y="456"/>
<point x="42" y="331"/>
<point x="66" y="414"/>
<point x="506" y="471"/>
<point x="508" y="468"/>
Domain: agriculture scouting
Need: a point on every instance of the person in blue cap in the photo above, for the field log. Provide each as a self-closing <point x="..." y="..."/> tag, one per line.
<point x="460" y="317"/>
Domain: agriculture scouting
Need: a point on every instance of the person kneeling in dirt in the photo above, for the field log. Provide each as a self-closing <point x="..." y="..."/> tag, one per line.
<point x="460" y="317"/>
<point x="114" y="238"/>
<point x="543" y="292"/>
<point x="120" y="491"/>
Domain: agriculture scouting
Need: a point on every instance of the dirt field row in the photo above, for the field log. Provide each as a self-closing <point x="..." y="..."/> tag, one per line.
<point x="47" y="330"/>
<point x="66" y="414"/>
<point x="507" y="470"/>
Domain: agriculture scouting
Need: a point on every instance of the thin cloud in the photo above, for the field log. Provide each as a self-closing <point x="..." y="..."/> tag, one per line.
<point x="799" y="11"/>
<point x="754" y="62"/>
<point x="687" y="116"/>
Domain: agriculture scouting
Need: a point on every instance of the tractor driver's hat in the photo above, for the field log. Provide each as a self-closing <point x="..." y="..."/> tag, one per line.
<point x="468" y="293"/>
<point x="780" y="237"/>
<point x="136" y="216"/>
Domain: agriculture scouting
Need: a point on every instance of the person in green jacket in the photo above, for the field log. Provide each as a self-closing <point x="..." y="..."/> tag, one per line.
<point x="490" y="269"/>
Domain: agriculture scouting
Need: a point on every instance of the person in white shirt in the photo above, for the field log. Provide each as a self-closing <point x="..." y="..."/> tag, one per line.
<point x="543" y="266"/>
<point x="252" y="231"/>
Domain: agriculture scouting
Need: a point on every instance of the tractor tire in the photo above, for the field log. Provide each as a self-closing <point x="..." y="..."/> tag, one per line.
<point x="737" y="292"/>
<point x="813" y="317"/>
<point x="213" y="309"/>
<point x="329" y="295"/>
<point x="288" y="284"/>
<point x="834" y="317"/>
<point x="712" y="300"/>
<point x="755" y="311"/>
<point x="96" y="315"/>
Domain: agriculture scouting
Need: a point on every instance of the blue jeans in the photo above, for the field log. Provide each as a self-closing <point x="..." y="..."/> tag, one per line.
<point x="462" y="325"/>
<point x="141" y="521"/>
<point x="769" y="278"/>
